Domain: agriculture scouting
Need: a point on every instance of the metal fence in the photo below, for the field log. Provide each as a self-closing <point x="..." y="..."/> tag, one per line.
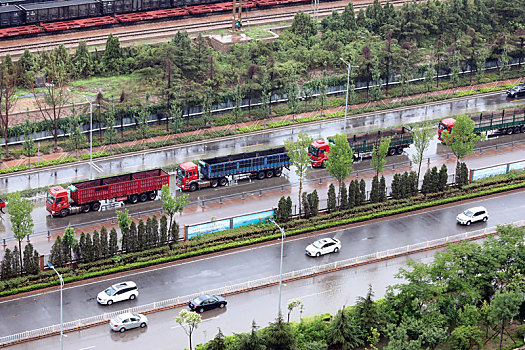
<point x="255" y="284"/>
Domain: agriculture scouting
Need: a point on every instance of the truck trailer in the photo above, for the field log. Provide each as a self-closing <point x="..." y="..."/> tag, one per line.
<point x="85" y="196"/>
<point x="362" y="145"/>
<point x="511" y="121"/>
<point x="215" y="172"/>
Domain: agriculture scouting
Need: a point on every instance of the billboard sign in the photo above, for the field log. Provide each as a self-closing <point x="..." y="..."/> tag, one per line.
<point x="209" y="227"/>
<point x="249" y="219"/>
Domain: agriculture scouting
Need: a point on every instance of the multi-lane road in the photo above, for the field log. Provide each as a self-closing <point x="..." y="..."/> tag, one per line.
<point x="40" y="309"/>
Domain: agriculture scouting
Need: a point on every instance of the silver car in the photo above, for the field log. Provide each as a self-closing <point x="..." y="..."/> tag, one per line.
<point x="128" y="320"/>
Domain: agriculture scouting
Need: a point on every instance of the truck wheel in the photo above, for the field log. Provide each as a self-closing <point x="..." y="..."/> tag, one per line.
<point x="516" y="130"/>
<point x="278" y="172"/>
<point x="152" y="195"/>
<point x="269" y="174"/>
<point x="522" y="129"/>
<point x="85" y="208"/>
<point x="509" y="131"/>
<point x="95" y="206"/>
<point x="223" y="181"/>
<point x="260" y="175"/>
<point x="63" y="213"/>
<point x="133" y="199"/>
<point x="143" y="197"/>
<point x="193" y="187"/>
<point x="214" y="183"/>
<point x="399" y="150"/>
<point x="391" y="151"/>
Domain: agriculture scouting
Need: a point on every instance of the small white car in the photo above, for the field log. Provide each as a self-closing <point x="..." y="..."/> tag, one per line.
<point x="323" y="246"/>
<point x="126" y="321"/>
<point x="118" y="292"/>
<point x="472" y="215"/>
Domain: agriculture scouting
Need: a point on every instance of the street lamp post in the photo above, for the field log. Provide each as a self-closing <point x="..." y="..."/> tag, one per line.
<point x="349" y="66"/>
<point x="281" y="266"/>
<point x="61" y="323"/>
<point x="90" y="138"/>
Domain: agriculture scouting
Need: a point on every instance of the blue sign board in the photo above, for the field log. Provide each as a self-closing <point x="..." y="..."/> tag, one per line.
<point x="208" y="227"/>
<point x="255" y="218"/>
<point x="517" y="166"/>
<point x="492" y="171"/>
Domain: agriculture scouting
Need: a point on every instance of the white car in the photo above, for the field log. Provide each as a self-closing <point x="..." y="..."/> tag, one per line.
<point x="118" y="292"/>
<point x="126" y="321"/>
<point x="472" y="215"/>
<point x="323" y="246"/>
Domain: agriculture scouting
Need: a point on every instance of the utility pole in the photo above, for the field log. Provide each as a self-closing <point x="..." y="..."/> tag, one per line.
<point x="234" y="14"/>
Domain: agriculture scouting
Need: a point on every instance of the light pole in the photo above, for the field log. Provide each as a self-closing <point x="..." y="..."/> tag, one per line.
<point x="281" y="266"/>
<point x="90" y="138"/>
<point x="347" y="87"/>
<point x="61" y="323"/>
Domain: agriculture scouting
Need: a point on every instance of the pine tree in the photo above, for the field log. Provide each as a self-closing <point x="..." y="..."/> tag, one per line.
<point x="281" y="214"/>
<point x="313" y="199"/>
<point x="113" y="242"/>
<point x="29" y="267"/>
<point x="362" y="192"/>
<point x="36" y="262"/>
<point x="443" y="178"/>
<point x="217" y="343"/>
<point x="103" y="242"/>
<point x="382" y="189"/>
<point x="464" y="174"/>
<point x="434" y="176"/>
<point x="148" y="243"/>
<point x="352" y="188"/>
<point x="374" y="191"/>
<point x="289" y="206"/>
<point x="344" y="197"/>
<point x="174" y="234"/>
<point x="6" y="270"/>
<point x="279" y="335"/>
<point x="426" y="187"/>
<point x="89" y="256"/>
<point x="125" y="241"/>
<point x="458" y="174"/>
<point x="414" y="183"/>
<point x="306" y="206"/>
<point x="332" y="200"/>
<point x="396" y="185"/>
<point x="141" y="236"/>
<point x="154" y="231"/>
<point x="96" y="246"/>
<point x="15" y="262"/>
<point x="133" y="242"/>
<point x="405" y="189"/>
<point x="82" y="247"/>
<point x="56" y="256"/>
<point x="163" y="230"/>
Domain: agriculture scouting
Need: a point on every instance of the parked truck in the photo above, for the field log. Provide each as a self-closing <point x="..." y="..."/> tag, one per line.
<point x="511" y="121"/>
<point x="217" y="171"/>
<point x="2" y="205"/>
<point x="85" y="196"/>
<point x="362" y="145"/>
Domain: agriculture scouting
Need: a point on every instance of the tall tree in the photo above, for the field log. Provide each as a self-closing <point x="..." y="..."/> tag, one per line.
<point x="28" y="146"/>
<point x="20" y="210"/>
<point x="504" y="308"/>
<point x="422" y="135"/>
<point x="189" y="321"/>
<point x="251" y="341"/>
<point x="389" y="57"/>
<point x="379" y="153"/>
<point x="339" y="164"/>
<point x="69" y="241"/>
<point x="77" y="139"/>
<point x="279" y="335"/>
<point x="298" y="153"/>
<point x="461" y="139"/>
<point x="343" y="331"/>
<point x="8" y="97"/>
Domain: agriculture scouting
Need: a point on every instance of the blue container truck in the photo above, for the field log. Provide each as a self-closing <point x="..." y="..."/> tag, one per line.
<point x="217" y="171"/>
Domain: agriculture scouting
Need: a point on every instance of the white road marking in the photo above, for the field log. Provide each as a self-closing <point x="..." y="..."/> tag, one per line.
<point x="277" y="242"/>
<point x="312" y="295"/>
<point x="259" y="144"/>
<point x="97" y="168"/>
<point x="89" y="347"/>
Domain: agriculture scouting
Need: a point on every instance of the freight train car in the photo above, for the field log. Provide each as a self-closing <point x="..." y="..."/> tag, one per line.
<point x="10" y="16"/>
<point x="110" y="7"/>
<point x="60" y="10"/>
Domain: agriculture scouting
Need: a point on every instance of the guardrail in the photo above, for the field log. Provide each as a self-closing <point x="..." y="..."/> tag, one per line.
<point x="255" y="284"/>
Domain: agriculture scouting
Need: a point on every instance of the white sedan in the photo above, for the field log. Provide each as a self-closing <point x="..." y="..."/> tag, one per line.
<point x="323" y="246"/>
<point x="126" y="321"/>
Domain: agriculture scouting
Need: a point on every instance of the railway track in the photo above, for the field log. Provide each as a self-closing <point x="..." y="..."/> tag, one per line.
<point x="157" y="33"/>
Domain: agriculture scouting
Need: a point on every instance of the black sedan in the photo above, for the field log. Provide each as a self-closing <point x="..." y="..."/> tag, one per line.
<point x="207" y="302"/>
<point x="515" y="91"/>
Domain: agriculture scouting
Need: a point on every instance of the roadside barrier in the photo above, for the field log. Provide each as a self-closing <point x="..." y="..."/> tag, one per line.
<point x="255" y="284"/>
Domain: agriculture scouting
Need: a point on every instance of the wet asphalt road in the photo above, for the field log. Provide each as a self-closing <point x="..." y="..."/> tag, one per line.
<point x="41" y="309"/>
<point x="324" y="293"/>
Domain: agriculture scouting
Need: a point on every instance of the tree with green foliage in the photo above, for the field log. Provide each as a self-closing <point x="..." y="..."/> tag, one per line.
<point x="77" y="139"/>
<point x="313" y="202"/>
<point x="279" y="335"/>
<point x="503" y="309"/>
<point x="28" y="145"/>
<point x="344" y="197"/>
<point x="124" y="221"/>
<point x="379" y="153"/>
<point x="189" y="321"/>
<point x="282" y="214"/>
<point x="374" y="190"/>
<point x="6" y="269"/>
<point x="323" y="91"/>
<point x="237" y="97"/>
<point x="368" y="314"/>
<point x="434" y="180"/>
<point x="291" y="306"/>
<point x="352" y="191"/>
<point x="306" y="206"/>
<point x="96" y="246"/>
<point x="332" y="199"/>
<point x="466" y="338"/>
<point x="388" y="57"/>
<point x="461" y="139"/>
<point x="163" y="237"/>
<point x="382" y="189"/>
<point x="110" y="134"/>
<point x="361" y="196"/>
<point x="69" y="241"/>
<point x="397" y="186"/>
<point x="217" y="343"/>
<point x="426" y="186"/>
<point x="88" y="253"/>
<point x="339" y="164"/>
<point x="22" y="224"/>
<point x="292" y="91"/>
<point x="112" y="56"/>
<point x="343" y="331"/>
<point x="31" y="260"/>
<point x="133" y="239"/>
<point x="56" y="256"/>
<point x="251" y="341"/>
<point x="113" y="242"/>
<point x="303" y="25"/>
<point x="15" y="262"/>
<point x="298" y="153"/>
<point x="142" y="118"/>
<point x="443" y="178"/>
<point x="154" y="231"/>
<point x="8" y="96"/>
<point x="172" y="204"/>
<point x="422" y="135"/>
<point x="104" y="249"/>
<point x="82" y="61"/>
<point x="142" y="238"/>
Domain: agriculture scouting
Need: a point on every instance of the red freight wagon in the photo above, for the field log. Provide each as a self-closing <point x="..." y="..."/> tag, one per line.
<point x="86" y="196"/>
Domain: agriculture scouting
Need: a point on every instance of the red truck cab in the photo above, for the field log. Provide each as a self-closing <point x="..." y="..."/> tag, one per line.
<point x="187" y="173"/>
<point x="445" y="124"/>
<point x="57" y="200"/>
<point x="318" y="153"/>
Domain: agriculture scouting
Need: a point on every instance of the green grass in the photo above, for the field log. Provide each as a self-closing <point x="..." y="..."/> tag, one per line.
<point x="110" y="86"/>
<point x="257" y="33"/>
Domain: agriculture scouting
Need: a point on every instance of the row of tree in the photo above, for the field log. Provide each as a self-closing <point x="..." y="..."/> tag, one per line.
<point x="469" y="295"/>
<point x="10" y="266"/>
